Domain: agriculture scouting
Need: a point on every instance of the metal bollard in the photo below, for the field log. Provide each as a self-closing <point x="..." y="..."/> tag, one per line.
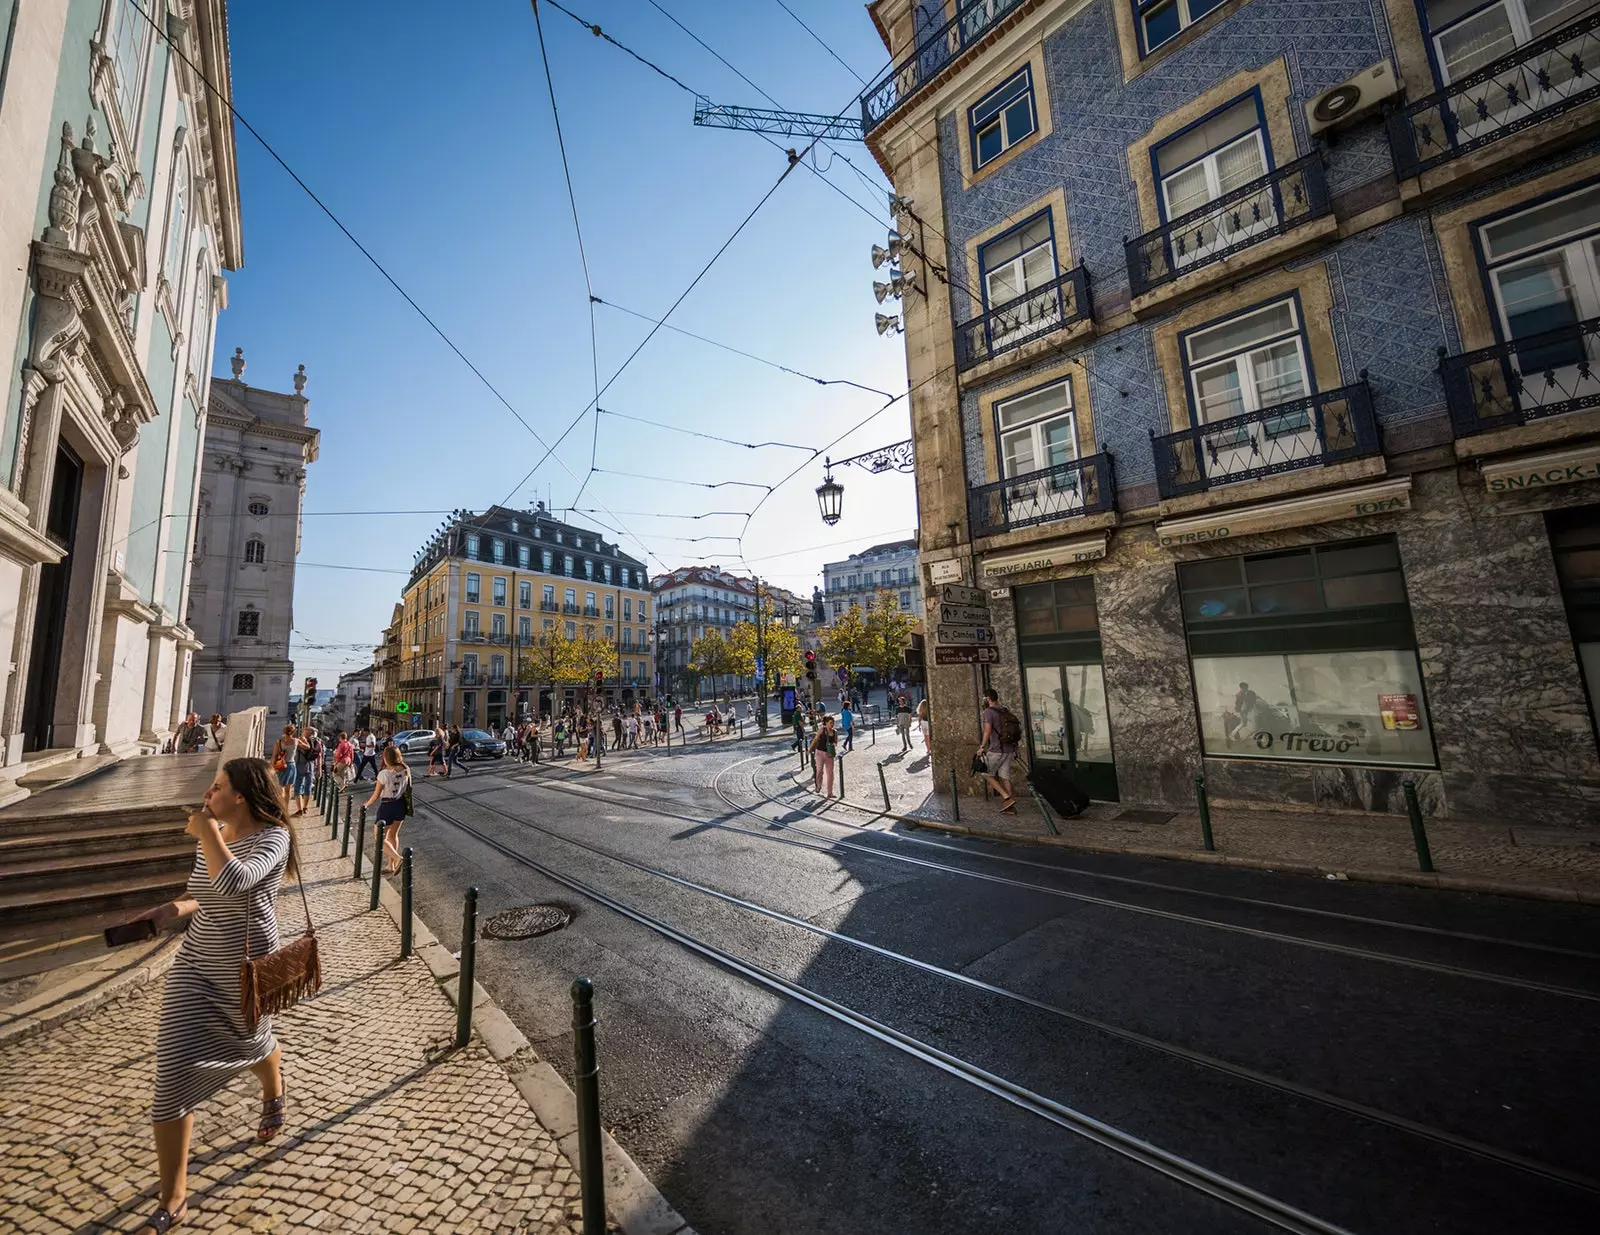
<point x="333" y="810"/>
<point x="361" y="841"/>
<point x="586" y="1074"/>
<point x="884" y="782"/>
<point x="1043" y="810"/>
<point x="955" y="798"/>
<point x="1205" y="812"/>
<point x="1419" y="834"/>
<point x="469" y="963"/>
<point x="840" y="761"/>
<point x="348" y="799"/>
<point x="344" y="846"/>
<point x="405" y="902"/>
<point x="380" y="829"/>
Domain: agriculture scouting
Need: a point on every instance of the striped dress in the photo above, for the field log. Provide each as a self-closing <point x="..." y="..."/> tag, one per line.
<point x="202" y="1042"/>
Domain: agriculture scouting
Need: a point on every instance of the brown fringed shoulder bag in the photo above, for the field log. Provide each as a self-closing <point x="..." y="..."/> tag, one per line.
<point x="279" y="980"/>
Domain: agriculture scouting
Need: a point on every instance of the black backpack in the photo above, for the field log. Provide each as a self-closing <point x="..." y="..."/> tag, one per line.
<point x="1010" y="728"/>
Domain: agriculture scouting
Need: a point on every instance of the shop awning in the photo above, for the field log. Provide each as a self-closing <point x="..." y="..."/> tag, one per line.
<point x="1355" y="503"/>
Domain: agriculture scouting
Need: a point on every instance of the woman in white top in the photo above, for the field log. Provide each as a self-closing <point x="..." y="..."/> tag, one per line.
<point x="389" y="795"/>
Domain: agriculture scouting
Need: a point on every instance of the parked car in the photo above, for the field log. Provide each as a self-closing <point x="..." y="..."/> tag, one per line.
<point x="413" y="741"/>
<point x="481" y="745"/>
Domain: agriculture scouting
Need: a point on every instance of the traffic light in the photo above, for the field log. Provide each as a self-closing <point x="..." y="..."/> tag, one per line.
<point x="311" y="691"/>
<point x="599" y="678"/>
<point x="811" y="665"/>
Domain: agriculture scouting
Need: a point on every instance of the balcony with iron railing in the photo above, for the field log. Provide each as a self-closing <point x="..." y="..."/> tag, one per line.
<point x="1541" y="79"/>
<point x="1332" y="426"/>
<point x="1036" y="314"/>
<point x="936" y="51"/>
<point x="471" y="677"/>
<point x="569" y="607"/>
<point x="1528" y="379"/>
<point x="591" y="611"/>
<point x="550" y="606"/>
<point x="1285" y="199"/>
<point x="1084" y="486"/>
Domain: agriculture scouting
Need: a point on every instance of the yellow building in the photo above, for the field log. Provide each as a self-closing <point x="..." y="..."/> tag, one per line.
<point x="486" y="587"/>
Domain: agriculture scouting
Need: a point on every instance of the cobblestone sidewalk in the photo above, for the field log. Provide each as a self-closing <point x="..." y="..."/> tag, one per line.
<point x="389" y="1128"/>
<point x="1522" y="858"/>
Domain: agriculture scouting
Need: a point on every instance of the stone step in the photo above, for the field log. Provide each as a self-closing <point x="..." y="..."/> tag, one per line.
<point x="71" y="823"/>
<point x="44" y="877"/>
<point x="120" y="837"/>
<point x="86" y="906"/>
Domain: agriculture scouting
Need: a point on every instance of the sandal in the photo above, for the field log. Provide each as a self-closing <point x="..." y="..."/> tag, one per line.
<point x="162" y="1221"/>
<point x="272" y="1117"/>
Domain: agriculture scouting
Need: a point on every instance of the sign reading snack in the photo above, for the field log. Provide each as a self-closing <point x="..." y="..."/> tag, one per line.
<point x="1356" y="503"/>
<point x="1557" y="467"/>
<point x="1071" y="553"/>
<point x="947" y="571"/>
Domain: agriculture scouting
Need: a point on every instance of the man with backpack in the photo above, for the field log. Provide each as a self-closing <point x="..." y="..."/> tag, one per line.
<point x="1002" y="735"/>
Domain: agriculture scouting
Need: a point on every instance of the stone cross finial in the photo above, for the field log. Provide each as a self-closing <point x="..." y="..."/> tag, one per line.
<point x="63" y="213"/>
<point x="300" y="381"/>
<point x="237" y="364"/>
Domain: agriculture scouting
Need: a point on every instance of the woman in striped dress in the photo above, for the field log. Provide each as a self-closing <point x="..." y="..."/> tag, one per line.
<point x="202" y="1043"/>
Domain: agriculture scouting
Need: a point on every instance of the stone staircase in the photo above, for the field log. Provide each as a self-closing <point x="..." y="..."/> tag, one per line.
<point x="100" y="849"/>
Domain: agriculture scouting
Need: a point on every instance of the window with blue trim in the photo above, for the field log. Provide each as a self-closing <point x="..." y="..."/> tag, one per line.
<point x="1244" y="364"/>
<point x="1469" y="34"/>
<point x="1002" y="118"/>
<point x="1205" y="162"/>
<point x="1021" y="261"/>
<point x="1163" y="20"/>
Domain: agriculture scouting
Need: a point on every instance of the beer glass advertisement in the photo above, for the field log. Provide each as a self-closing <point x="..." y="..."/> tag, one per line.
<point x="1328" y="707"/>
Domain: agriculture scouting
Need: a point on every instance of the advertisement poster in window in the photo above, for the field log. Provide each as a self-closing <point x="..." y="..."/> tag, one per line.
<point x="1327" y="707"/>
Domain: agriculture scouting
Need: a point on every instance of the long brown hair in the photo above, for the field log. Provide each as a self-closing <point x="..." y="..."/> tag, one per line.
<point x="256" y="783"/>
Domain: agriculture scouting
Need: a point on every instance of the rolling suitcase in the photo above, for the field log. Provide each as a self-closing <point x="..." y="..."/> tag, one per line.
<point x="1063" y="793"/>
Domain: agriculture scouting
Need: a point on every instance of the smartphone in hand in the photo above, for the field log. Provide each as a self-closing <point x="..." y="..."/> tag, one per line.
<point x="130" y="932"/>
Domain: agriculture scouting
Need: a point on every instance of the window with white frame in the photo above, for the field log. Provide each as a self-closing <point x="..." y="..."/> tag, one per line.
<point x="472" y="622"/>
<point x="497" y="590"/>
<point x="1544" y="267"/>
<point x="606" y="572"/>
<point x="474" y="587"/>
<point x="472" y="544"/>
<point x="1469" y="34"/>
<point x="497" y="625"/>
<point x="469" y="666"/>
<point x="200" y="324"/>
<point x="1015" y="264"/>
<point x="588" y="602"/>
<point x="1205" y="162"/>
<point x="572" y="596"/>
<point x="497" y="666"/>
<point x="498" y="549"/>
<point x="1163" y="20"/>
<point x="627" y="608"/>
<point x="524" y="594"/>
<point x="1002" y="118"/>
<point x="244" y="681"/>
<point x="611" y="606"/>
<point x="548" y="595"/>
<point x="255" y="550"/>
<point x="1247" y="363"/>
<point x="131" y="40"/>
<point x="1036" y="430"/>
<point x="523" y="556"/>
<point x="524" y="627"/>
<point x="545" y="560"/>
<point x="178" y="224"/>
<point x="566" y="564"/>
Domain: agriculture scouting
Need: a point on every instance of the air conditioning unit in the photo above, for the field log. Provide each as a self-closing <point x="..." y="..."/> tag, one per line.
<point x="1360" y="96"/>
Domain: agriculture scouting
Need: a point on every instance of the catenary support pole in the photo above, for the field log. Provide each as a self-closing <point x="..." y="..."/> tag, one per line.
<point x="1204" y="805"/>
<point x="1419" y="834"/>
<point x="469" y="965"/>
<point x="586" y="1075"/>
<point x="405" y="902"/>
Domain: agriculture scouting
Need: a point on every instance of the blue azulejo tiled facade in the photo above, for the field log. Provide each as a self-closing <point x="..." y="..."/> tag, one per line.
<point x="1299" y="488"/>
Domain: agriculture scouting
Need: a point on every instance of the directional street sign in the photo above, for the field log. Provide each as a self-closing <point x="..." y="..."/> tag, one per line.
<point x="949" y="636"/>
<point x="955" y="594"/>
<point x="967" y="615"/>
<point x="970" y="654"/>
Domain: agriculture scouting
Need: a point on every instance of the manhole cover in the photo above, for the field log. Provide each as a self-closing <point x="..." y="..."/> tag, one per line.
<point x="1146" y="816"/>
<point x="526" y="922"/>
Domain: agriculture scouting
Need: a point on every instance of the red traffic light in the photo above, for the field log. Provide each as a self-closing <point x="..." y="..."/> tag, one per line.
<point x="599" y="677"/>
<point x="811" y="658"/>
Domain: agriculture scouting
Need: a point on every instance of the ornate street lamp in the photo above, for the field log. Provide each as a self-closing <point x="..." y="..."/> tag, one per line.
<point x="898" y="457"/>
<point x="830" y="493"/>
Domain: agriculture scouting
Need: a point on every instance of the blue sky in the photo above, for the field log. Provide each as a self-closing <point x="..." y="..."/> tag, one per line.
<point x="428" y="131"/>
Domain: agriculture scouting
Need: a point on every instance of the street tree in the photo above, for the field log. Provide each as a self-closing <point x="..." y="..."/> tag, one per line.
<point x="844" y="644"/>
<point x="888" y="631"/>
<point x="781" y="646"/>
<point x="547" y="660"/>
<point x="590" y="656"/>
<point x="710" y="657"/>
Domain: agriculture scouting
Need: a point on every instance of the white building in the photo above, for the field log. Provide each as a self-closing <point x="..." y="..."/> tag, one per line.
<point x="888" y="567"/>
<point x="119" y="209"/>
<point x="350" y="707"/>
<point x="241" y="601"/>
<point x="691" y="601"/>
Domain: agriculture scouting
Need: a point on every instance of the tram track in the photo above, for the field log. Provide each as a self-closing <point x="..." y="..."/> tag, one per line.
<point x="1174" y="1050"/>
<point x="804" y="838"/>
<point x="1233" y="1193"/>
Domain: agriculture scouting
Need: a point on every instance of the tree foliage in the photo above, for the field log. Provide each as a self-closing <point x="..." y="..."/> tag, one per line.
<point x="782" y="652"/>
<point x="875" y="636"/>
<point x="547" y="660"/>
<point x="710" y="656"/>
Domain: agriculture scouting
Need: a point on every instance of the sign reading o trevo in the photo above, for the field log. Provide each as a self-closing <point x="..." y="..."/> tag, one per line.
<point x="1070" y="553"/>
<point x="1385" y="497"/>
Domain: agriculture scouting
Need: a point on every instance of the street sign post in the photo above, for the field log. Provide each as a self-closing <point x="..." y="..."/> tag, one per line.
<point x="967" y="615"/>
<point x="949" y="636"/>
<point x="969" y="654"/>
<point x="955" y="594"/>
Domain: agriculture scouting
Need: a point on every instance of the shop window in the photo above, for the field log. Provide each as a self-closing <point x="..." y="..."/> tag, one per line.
<point x="1575" y="540"/>
<point x="1206" y="161"/>
<point x="1162" y="20"/>
<point x="1067" y="715"/>
<point x="1307" y="655"/>
<point x="1544" y="269"/>
<point x="1002" y="118"/>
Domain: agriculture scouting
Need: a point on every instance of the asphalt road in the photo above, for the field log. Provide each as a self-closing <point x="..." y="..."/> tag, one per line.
<point x="1379" y="1079"/>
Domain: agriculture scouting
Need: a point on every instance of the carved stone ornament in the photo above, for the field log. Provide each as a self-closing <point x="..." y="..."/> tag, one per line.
<point x="300" y="381"/>
<point x="64" y="196"/>
<point x="236" y="363"/>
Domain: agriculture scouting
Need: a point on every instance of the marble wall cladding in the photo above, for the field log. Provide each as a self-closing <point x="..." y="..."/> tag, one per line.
<point x="1510" y="719"/>
<point x="1006" y="677"/>
<point x="1148" y="689"/>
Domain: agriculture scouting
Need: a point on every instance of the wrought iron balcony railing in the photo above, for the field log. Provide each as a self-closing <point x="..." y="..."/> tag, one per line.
<point x="1083" y="487"/>
<point x="1540" y="375"/>
<point x="569" y="607"/>
<point x="471" y="677"/>
<point x="1331" y="426"/>
<point x="590" y="611"/>
<point x="430" y="682"/>
<point x="1538" y="80"/>
<point x="1036" y="313"/>
<point x="550" y="606"/>
<point x="935" y="49"/>
<point x="1285" y="198"/>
